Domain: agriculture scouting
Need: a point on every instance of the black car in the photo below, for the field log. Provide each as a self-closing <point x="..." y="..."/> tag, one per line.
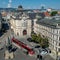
<point x="9" y="48"/>
<point x="29" y="39"/>
<point x="37" y="46"/>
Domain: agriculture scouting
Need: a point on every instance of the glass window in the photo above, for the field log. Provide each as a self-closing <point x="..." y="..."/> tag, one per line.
<point x="59" y="49"/>
<point x="59" y="44"/>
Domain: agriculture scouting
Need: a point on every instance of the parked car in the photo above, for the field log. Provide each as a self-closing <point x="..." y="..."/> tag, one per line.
<point x="9" y="48"/>
<point x="48" y="50"/>
<point x="43" y="52"/>
<point x="29" y="39"/>
<point x="14" y="49"/>
<point x="37" y="46"/>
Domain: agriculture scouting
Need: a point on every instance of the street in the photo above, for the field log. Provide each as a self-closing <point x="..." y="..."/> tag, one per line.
<point x="19" y="54"/>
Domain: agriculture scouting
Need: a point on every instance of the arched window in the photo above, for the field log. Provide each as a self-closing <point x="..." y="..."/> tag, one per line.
<point x="24" y="32"/>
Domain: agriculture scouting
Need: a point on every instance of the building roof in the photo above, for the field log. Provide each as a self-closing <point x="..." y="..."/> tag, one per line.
<point x="52" y="23"/>
<point x="19" y="16"/>
<point x="33" y="15"/>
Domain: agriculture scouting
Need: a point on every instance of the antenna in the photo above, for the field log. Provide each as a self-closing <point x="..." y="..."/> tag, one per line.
<point x="9" y="4"/>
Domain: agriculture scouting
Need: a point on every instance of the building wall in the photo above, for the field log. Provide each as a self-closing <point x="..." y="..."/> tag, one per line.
<point x="19" y="25"/>
<point x="52" y="34"/>
<point x="0" y="24"/>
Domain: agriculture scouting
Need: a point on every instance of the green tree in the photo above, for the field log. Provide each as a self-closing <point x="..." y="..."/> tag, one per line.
<point x="34" y="36"/>
<point x="38" y="39"/>
<point x="53" y="13"/>
<point x="44" y="42"/>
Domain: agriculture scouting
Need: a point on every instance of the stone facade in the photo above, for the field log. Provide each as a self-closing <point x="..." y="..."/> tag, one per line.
<point x="21" y="26"/>
<point x="51" y="30"/>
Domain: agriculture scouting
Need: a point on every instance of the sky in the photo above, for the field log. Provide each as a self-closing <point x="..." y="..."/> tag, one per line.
<point x="30" y="4"/>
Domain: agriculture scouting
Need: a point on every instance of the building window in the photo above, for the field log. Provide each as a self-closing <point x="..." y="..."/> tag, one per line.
<point x="24" y="32"/>
<point x="59" y="44"/>
<point x="18" y="34"/>
<point x="59" y="49"/>
<point x="59" y="38"/>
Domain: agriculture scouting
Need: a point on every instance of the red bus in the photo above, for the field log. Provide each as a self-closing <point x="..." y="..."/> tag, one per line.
<point x="21" y="44"/>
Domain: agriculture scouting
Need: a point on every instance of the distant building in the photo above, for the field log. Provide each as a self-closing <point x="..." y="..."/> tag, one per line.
<point x="49" y="28"/>
<point x="0" y="21"/>
<point x="20" y="8"/>
<point x="4" y="13"/>
<point x="46" y="14"/>
<point x="49" y="9"/>
<point x="21" y="25"/>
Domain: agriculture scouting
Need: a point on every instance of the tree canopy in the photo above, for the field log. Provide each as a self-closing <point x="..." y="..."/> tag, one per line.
<point x="43" y="41"/>
<point x="53" y="13"/>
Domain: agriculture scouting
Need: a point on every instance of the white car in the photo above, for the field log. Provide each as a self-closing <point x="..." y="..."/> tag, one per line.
<point x="43" y="53"/>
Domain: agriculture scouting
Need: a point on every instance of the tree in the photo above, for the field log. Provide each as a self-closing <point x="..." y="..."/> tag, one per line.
<point x="34" y="36"/>
<point x="38" y="39"/>
<point x="46" y="42"/>
<point x="42" y="41"/>
<point x="53" y="13"/>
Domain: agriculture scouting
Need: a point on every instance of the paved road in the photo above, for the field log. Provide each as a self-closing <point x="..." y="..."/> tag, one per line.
<point x="2" y="54"/>
<point x="19" y="55"/>
<point x="47" y="57"/>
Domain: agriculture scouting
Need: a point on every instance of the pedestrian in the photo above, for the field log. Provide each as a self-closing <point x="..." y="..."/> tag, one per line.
<point x="39" y="57"/>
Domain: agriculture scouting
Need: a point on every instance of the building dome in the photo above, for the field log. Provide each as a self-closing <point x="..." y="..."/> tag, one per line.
<point x="20" y="7"/>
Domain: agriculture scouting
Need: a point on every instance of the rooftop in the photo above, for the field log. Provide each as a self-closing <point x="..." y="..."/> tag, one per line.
<point x="19" y="16"/>
<point x="52" y="23"/>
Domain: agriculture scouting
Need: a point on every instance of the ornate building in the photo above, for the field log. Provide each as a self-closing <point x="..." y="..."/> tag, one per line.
<point x="21" y="25"/>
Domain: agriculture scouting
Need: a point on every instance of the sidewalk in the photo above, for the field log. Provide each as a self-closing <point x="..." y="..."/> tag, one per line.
<point x="53" y="56"/>
<point x="48" y="57"/>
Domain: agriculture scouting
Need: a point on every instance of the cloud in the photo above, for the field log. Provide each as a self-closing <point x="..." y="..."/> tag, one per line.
<point x="9" y="5"/>
<point x="10" y="1"/>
